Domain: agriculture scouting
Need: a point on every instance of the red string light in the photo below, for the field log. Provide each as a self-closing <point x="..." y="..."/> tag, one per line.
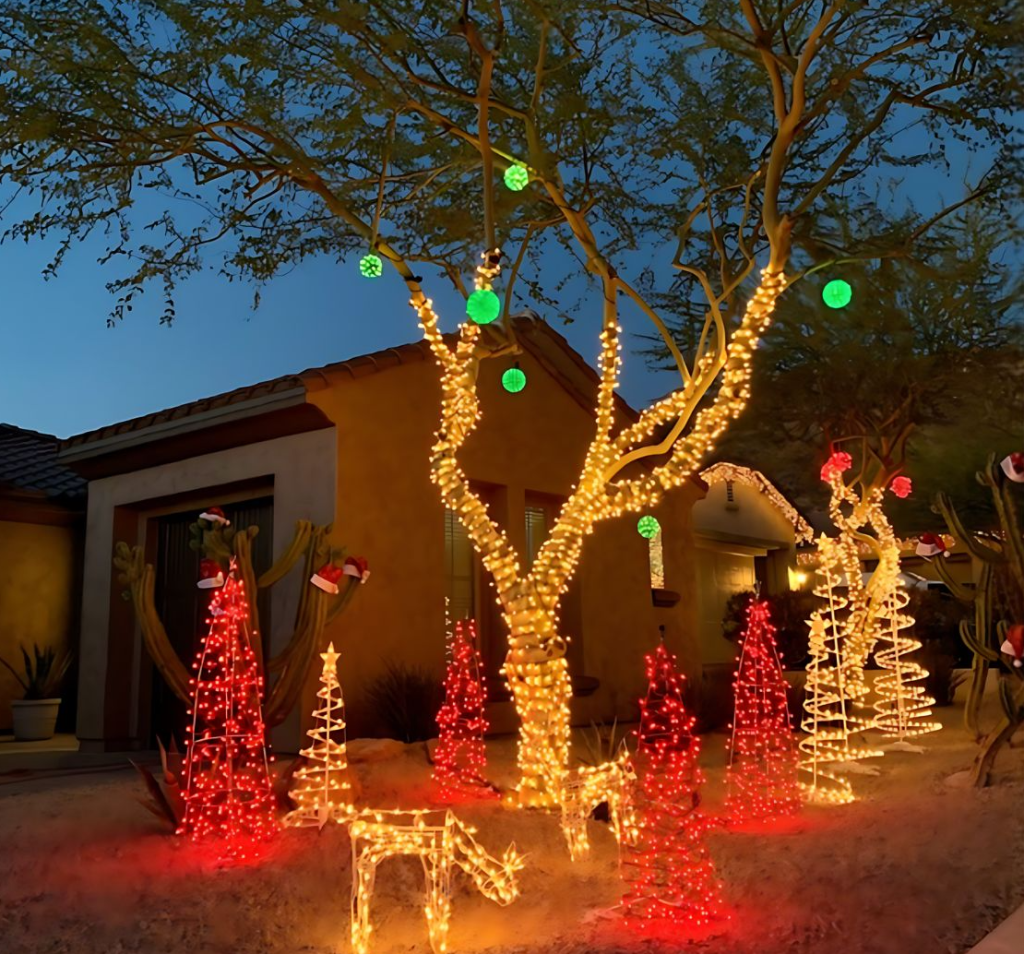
<point x="461" y="755"/>
<point x="227" y="788"/>
<point x="762" y="773"/>
<point x="669" y="874"/>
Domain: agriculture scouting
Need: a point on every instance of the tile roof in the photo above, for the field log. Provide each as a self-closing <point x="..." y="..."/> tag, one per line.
<point x="28" y="461"/>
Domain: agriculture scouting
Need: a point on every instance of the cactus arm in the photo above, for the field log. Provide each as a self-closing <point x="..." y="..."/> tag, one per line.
<point x="1006" y="508"/>
<point x="956" y="527"/>
<point x="291" y="556"/>
<point x="962" y="593"/>
<point x="975" y="694"/>
<point x="288" y="686"/>
<point x="242" y="546"/>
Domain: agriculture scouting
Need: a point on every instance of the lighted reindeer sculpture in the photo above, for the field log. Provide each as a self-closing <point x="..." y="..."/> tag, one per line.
<point x="440" y="841"/>
<point x="591" y="785"/>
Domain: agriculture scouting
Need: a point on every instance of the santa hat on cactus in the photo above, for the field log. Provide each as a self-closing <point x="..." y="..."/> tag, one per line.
<point x="931" y="545"/>
<point x="326" y="578"/>
<point x="1013" y="467"/>
<point x="215" y="516"/>
<point x="1013" y="645"/>
<point x="357" y="567"/>
<point x="211" y="575"/>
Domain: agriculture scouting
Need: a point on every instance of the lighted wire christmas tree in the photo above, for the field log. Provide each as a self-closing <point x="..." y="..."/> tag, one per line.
<point x="902" y="707"/>
<point x="460" y="758"/>
<point x="227" y="786"/>
<point x="320" y="788"/>
<point x="670" y="879"/>
<point x="762" y="773"/>
<point x="830" y="692"/>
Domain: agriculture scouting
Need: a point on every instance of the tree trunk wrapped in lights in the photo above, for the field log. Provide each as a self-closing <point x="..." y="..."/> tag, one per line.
<point x="832" y="687"/>
<point x="227" y="786"/>
<point x="460" y="758"/>
<point x="669" y="876"/>
<point x="320" y="788"/>
<point x="285" y="674"/>
<point x="762" y="773"/>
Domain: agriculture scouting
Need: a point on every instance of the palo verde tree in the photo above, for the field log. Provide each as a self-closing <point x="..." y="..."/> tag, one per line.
<point x="721" y="129"/>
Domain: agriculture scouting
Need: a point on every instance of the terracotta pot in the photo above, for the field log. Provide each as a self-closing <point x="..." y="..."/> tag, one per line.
<point x="34" y="719"/>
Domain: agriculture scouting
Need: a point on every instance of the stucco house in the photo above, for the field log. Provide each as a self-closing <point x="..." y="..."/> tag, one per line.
<point x="348" y="444"/>
<point x="42" y="517"/>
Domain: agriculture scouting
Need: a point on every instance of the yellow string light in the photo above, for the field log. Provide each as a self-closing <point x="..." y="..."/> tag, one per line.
<point x="442" y="843"/>
<point x="723" y="472"/>
<point x="320" y="788"/>
<point x="610" y="783"/>
<point x="536" y="668"/>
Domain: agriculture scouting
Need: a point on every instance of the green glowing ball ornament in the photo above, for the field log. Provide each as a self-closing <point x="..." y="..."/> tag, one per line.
<point x="514" y="379"/>
<point x="648" y="527"/>
<point x="483" y="306"/>
<point x="837" y="293"/>
<point x="517" y="178"/>
<point x="371" y="266"/>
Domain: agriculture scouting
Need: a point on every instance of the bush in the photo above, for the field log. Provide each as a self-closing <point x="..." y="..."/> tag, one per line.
<point x="404" y="701"/>
<point x="789" y="610"/>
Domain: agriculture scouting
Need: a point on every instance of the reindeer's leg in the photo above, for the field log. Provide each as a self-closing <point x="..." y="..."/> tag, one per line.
<point x="437" y="868"/>
<point x="364" y="873"/>
<point x="574" y="825"/>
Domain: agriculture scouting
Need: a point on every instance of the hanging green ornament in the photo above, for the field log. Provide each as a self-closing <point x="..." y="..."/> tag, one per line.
<point x="517" y="178"/>
<point x="837" y="293"/>
<point x="514" y="379"/>
<point x="648" y="527"/>
<point x="483" y="306"/>
<point x="371" y="266"/>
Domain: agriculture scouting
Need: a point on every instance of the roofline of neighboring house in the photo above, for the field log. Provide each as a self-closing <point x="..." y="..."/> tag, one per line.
<point x="279" y="406"/>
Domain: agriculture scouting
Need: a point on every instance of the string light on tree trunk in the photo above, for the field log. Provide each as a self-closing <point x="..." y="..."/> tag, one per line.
<point x="669" y="875"/>
<point x="762" y="773"/>
<point x="460" y="758"/>
<point x="320" y="788"/>
<point x="227" y="787"/>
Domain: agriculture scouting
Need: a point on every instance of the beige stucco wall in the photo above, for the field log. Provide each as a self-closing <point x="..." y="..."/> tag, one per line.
<point x="302" y="470"/>
<point x="37" y="587"/>
<point x="388" y="511"/>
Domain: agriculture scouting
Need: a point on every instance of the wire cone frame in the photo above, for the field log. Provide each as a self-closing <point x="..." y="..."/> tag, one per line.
<point x="834" y="684"/>
<point x="762" y="772"/>
<point x="321" y="789"/>
<point x="227" y="786"/>
<point x="670" y="878"/>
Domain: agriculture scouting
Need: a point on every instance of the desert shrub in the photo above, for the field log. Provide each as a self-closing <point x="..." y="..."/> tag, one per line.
<point x="789" y="611"/>
<point x="404" y="700"/>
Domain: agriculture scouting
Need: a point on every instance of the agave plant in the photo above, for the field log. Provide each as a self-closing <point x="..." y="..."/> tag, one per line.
<point x="43" y="671"/>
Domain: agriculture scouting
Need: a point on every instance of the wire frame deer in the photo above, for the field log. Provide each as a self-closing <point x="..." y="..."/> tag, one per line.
<point x="589" y="786"/>
<point x="442" y="842"/>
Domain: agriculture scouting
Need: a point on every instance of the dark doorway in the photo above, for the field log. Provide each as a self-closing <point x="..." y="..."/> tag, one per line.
<point x="182" y="605"/>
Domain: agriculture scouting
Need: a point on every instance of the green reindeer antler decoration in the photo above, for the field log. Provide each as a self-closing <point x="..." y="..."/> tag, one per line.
<point x="284" y="673"/>
<point x="999" y="592"/>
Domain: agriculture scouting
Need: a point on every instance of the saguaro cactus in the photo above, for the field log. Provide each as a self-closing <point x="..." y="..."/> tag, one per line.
<point x="285" y="673"/>
<point x="998" y="601"/>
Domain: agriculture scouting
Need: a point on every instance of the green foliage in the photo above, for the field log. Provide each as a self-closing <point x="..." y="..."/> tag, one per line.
<point x="42" y="673"/>
<point x="404" y="701"/>
<point x="789" y="609"/>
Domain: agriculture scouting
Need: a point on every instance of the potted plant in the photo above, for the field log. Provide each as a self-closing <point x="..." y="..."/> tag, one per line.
<point x="35" y="716"/>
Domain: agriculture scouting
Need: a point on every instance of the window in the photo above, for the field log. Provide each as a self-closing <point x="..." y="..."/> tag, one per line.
<point x="656" y="557"/>
<point x="536" y="532"/>
<point x="459" y="568"/>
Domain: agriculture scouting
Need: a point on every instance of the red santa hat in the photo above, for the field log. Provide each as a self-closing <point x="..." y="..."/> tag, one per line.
<point x="931" y="545"/>
<point x="326" y="578"/>
<point x="211" y="575"/>
<point x="1013" y="645"/>
<point x="215" y="516"/>
<point x="1013" y="467"/>
<point x="357" y="567"/>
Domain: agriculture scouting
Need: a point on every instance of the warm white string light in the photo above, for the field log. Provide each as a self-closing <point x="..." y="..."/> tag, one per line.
<point x="611" y="783"/>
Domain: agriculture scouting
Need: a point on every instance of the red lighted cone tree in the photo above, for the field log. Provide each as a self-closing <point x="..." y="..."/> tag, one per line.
<point x="669" y="875"/>
<point x="227" y="789"/>
<point x="762" y="772"/>
<point x="461" y="755"/>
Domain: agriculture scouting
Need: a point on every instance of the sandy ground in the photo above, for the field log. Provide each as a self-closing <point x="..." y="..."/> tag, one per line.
<point x="917" y="865"/>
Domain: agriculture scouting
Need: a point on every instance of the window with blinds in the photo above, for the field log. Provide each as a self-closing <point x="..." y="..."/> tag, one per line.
<point x="536" y="532"/>
<point x="459" y="568"/>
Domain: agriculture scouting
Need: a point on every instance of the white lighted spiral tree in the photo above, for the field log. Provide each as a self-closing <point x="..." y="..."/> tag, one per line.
<point x="829" y="717"/>
<point x="321" y="789"/>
